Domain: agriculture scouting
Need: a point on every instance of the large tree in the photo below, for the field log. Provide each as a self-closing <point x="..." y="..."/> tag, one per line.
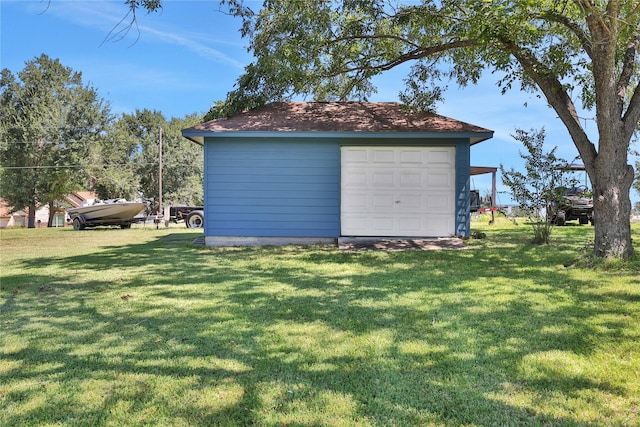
<point x="112" y="171"/>
<point x="577" y="53"/>
<point x="183" y="164"/>
<point x="127" y="159"/>
<point x="48" y="119"/>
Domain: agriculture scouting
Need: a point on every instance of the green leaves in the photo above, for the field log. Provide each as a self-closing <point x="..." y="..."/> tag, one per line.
<point x="541" y="184"/>
<point x="126" y="161"/>
<point x="48" y="120"/>
<point x="57" y="136"/>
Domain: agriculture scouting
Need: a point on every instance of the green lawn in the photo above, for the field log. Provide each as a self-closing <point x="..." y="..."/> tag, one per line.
<point x="142" y="327"/>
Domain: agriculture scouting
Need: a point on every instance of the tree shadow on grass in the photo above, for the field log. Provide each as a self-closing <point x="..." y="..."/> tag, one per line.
<point x="302" y="336"/>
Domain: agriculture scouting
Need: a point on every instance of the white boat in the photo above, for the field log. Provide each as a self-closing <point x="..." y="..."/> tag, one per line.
<point x="107" y="212"/>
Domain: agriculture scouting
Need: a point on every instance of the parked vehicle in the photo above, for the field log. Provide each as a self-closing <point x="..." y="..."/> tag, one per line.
<point x="107" y="212"/>
<point x="475" y="200"/>
<point x="193" y="216"/>
<point x="576" y="203"/>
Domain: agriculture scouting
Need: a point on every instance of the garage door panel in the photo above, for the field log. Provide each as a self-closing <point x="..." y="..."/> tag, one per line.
<point x="355" y="156"/>
<point x="411" y="156"/>
<point x="409" y="226"/>
<point x="440" y="156"/>
<point x="411" y="178"/>
<point x="437" y="223"/>
<point x="358" y="225"/>
<point x="382" y="201"/>
<point x="355" y="179"/>
<point x="398" y="191"/>
<point x="439" y="202"/>
<point x="356" y="202"/>
<point x="383" y="178"/>
<point x="439" y="178"/>
<point x="383" y="156"/>
<point x="387" y="203"/>
<point x="410" y="201"/>
<point x="383" y="224"/>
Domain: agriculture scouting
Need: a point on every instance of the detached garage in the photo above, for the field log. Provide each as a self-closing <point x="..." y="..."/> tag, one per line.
<point x="301" y="172"/>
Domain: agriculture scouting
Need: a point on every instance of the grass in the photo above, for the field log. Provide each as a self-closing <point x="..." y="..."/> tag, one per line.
<point x="142" y="327"/>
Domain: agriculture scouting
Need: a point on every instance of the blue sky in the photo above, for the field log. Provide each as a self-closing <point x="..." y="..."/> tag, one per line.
<point x="190" y="54"/>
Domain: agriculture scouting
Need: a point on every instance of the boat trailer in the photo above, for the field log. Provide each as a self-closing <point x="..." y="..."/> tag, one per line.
<point x="79" y="222"/>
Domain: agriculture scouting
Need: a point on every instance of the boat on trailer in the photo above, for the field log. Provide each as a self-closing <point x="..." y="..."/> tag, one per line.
<point x="107" y="212"/>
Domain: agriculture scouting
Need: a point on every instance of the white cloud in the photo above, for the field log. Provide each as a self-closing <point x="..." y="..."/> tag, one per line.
<point x="110" y="18"/>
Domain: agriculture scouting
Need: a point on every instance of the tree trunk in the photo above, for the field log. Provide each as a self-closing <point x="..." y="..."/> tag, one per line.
<point x="31" y="218"/>
<point x="612" y="205"/>
<point x="52" y="213"/>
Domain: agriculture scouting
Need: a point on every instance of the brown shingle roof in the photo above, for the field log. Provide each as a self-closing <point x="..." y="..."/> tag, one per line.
<point x="5" y="210"/>
<point x="336" y="117"/>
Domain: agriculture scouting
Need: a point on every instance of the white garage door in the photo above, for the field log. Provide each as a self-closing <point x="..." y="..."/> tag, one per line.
<point x="398" y="191"/>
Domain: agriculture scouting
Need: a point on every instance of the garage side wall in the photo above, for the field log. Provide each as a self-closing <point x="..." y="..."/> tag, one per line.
<point x="463" y="182"/>
<point x="272" y="187"/>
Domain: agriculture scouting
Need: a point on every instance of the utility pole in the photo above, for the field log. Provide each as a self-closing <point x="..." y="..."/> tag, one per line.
<point x="160" y="174"/>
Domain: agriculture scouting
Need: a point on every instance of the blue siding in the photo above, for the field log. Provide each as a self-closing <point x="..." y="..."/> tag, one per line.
<point x="463" y="179"/>
<point x="272" y="187"/>
<point x="290" y="187"/>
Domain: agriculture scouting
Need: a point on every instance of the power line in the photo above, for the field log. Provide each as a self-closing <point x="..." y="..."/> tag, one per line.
<point x="89" y="141"/>
<point x="45" y="167"/>
<point x="88" y="166"/>
<point x="104" y="142"/>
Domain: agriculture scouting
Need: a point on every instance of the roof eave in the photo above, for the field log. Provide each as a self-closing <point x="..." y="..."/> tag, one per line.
<point x="199" y="136"/>
<point x="480" y="137"/>
<point x="196" y="137"/>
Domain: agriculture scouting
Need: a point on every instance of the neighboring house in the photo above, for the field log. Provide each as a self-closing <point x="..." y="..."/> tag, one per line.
<point x="298" y="172"/>
<point x="80" y="198"/>
<point x="9" y="219"/>
<point x="20" y="218"/>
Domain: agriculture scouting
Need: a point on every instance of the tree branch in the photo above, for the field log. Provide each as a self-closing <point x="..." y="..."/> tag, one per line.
<point x="148" y="5"/>
<point x="589" y="7"/>
<point x="46" y="8"/>
<point x="585" y="41"/>
<point x="115" y="36"/>
<point x="613" y="10"/>
<point x="557" y="97"/>
<point x="373" y="37"/>
<point x="632" y="115"/>
<point x="628" y="68"/>
<point x="633" y="13"/>
<point x="415" y="54"/>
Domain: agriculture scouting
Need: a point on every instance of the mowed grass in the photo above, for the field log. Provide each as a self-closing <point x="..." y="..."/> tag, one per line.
<point x="137" y="327"/>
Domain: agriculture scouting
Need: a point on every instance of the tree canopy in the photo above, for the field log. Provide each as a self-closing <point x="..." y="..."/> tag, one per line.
<point x="125" y="161"/>
<point x="135" y="141"/>
<point x="57" y="136"/>
<point x="48" y="120"/>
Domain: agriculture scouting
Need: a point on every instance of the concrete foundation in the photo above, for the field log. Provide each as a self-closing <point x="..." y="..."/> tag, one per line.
<point x="222" y="241"/>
